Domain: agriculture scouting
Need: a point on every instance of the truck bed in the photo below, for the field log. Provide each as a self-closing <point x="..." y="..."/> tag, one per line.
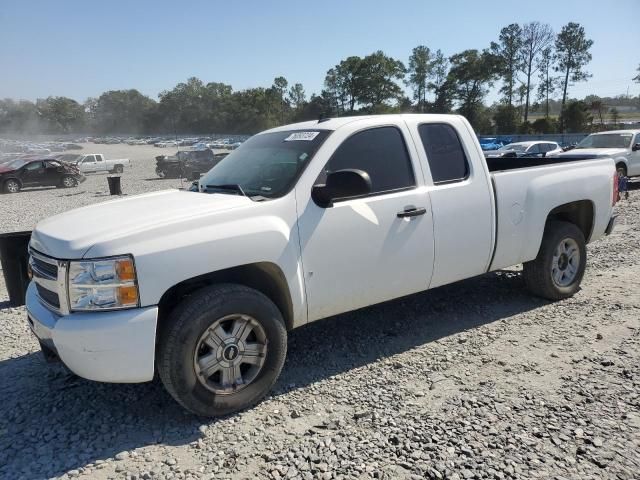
<point x="511" y="163"/>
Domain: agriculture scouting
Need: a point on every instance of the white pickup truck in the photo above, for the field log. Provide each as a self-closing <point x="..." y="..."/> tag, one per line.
<point x="300" y="223"/>
<point x="92" y="163"/>
<point x="621" y="145"/>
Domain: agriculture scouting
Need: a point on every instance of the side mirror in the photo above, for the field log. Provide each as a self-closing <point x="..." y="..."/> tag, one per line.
<point x="341" y="184"/>
<point x="636" y="147"/>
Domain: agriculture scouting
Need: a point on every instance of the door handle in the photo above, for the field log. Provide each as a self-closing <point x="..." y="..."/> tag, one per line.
<point x="412" y="212"/>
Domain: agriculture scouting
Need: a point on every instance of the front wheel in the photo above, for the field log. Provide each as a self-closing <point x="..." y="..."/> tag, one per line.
<point x="69" y="182"/>
<point x="222" y="349"/>
<point x="558" y="269"/>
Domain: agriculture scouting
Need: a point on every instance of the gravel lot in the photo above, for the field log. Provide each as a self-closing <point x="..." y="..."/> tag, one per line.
<point x="24" y="210"/>
<point x="472" y="380"/>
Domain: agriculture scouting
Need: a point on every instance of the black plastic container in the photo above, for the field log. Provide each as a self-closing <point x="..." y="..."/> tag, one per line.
<point x="14" y="256"/>
<point x="114" y="185"/>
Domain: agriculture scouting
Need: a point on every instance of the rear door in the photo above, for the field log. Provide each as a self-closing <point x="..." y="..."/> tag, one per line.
<point x="461" y="198"/>
<point x="53" y="172"/>
<point x="366" y="250"/>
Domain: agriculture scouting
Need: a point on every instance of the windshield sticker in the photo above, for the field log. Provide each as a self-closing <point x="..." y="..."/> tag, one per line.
<point x="302" y="136"/>
<point x="303" y="157"/>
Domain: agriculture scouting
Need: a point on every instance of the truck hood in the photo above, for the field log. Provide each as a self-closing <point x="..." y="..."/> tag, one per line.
<point x="596" y="152"/>
<point x="71" y="234"/>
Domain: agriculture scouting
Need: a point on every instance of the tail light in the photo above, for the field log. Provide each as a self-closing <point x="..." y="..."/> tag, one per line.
<point x="614" y="200"/>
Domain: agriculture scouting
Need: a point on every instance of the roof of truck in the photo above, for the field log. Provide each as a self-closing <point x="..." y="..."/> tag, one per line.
<point x="337" y="122"/>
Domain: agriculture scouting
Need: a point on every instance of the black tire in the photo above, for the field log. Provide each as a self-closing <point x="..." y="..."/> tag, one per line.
<point x="12" y="186"/>
<point x="186" y="325"/>
<point x="622" y="168"/>
<point x="68" y="182"/>
<point x="118" y="169"/>
<point x="538" y="273"/>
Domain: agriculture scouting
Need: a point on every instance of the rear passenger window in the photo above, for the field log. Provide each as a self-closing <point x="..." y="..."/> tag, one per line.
<point x="381" y="152"/>
<point x="447" y="160"/>
<point x="535" y="148"/>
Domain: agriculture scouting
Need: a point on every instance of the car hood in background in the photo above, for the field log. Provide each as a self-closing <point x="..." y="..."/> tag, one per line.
<point x="71" y="234"/>
<point x="596" y="152"/>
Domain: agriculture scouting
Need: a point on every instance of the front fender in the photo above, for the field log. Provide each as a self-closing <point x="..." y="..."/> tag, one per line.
<point x="170" y="254"/>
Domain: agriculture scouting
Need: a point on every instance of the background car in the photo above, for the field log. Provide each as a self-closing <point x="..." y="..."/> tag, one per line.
<point x="43" y="172"/>
<point x="526" y="149"/>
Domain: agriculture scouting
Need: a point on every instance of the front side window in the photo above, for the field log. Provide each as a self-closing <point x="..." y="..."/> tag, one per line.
<point x="381" y="152"/>
<point x="266" y="165"/>
<point x="34" y="166"/>
<point x="446" y="157"/>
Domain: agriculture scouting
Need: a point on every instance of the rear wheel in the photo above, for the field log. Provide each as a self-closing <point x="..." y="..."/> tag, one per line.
<point x="558" y="269"/>
<point x="222" y="349"/>
<point x="622" y="168"/>
<point x="12" y="186"/>
<point x="69" y="182"/>
<point x="118" y="169"/>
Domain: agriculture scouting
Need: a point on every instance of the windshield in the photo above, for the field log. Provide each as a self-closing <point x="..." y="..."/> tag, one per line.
<point x="606" y="140"/>
<point x="513" y="146"/>
<point x="16" y="164"/>
<point x="266" y="165"/>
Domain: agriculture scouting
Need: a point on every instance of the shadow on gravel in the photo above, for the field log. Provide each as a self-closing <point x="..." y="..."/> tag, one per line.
<point x="52" y="422"/>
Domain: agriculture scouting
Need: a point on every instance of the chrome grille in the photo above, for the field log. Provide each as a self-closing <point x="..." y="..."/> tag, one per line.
<point x="49" y="276"/>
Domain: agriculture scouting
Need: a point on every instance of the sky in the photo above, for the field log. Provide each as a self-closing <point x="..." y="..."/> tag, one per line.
<point x="80" y="49"/>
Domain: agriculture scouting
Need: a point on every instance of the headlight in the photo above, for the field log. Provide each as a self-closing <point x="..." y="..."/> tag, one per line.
<point x="108" y="283"/>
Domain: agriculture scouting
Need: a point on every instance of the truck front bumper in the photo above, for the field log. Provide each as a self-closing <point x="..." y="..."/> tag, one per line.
<point x="116" y="346"/>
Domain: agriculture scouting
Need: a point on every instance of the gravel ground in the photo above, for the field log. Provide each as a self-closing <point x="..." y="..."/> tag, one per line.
<point x="472" y="380"/>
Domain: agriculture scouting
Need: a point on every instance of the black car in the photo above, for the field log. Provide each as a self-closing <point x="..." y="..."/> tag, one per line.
<point x="187" y="165"/>
<point x="42" y="172"/>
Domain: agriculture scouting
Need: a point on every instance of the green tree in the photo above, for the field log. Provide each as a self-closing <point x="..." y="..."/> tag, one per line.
<point x="506" y="119"/>
<point x="61" y="113"/>
<point x="377" y="77"/>
<point x="441" y="84"/>
<point x="420" y="71"/>
<point x="471" y="75"/>
<point x="297" y="96"/>
<point x="637" y="77"/>
<point x="576" y="117"/>
<point x="344" y="83"/>
<point x="597" y="106"/>
<point x="508" y="55"/>
<point x="19" y="117"/>
<point x="548" y="83"/>
<point x="543" y="125"/>
<point x="535" y="38"/>
<point x="572" y="55"/>
<point x="280" y="85"/>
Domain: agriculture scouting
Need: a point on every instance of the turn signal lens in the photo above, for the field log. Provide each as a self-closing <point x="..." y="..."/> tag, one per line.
<point x="125" y="270"/>
<point x="128" y="295"/>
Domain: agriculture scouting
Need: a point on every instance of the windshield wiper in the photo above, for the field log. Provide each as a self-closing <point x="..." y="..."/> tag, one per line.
<point x="229" y="187"/>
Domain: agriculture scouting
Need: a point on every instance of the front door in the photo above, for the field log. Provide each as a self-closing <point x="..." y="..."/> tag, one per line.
<point x="367" y="250"/>
<point x="33" y="174"/>
<point x="634" y="158"/>
<point x="89" y="163"/>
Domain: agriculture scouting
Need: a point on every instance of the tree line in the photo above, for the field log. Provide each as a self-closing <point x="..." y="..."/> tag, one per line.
<point x="534" y="66"/>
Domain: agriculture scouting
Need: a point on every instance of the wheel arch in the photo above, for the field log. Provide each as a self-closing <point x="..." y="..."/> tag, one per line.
<point x="580" y="212"/>
<point x="265" y="277"/>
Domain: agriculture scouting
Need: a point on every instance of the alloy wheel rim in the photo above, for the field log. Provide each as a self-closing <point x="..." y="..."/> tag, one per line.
<point x="12" y="186"/>
<point x="230" y="354"/>
<point x="68" y="182"/>
<point x="565" y="263"/>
